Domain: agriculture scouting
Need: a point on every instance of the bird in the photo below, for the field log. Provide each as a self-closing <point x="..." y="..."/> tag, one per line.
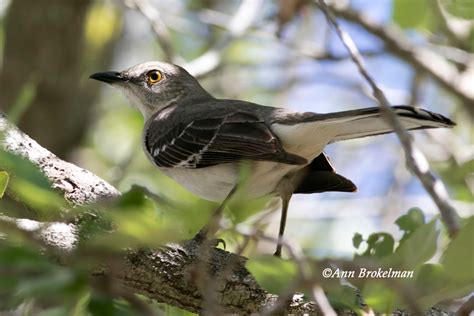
<point x="201" y="141"/>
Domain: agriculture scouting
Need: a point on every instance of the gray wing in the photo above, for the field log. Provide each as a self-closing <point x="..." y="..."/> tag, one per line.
<point x="211" y="140"/>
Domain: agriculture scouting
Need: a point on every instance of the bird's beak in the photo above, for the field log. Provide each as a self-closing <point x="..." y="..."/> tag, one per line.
<point x="110" y="77"/>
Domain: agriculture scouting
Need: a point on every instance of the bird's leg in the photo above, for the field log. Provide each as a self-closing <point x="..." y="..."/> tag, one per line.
<point x="284" y="212"/>
<point x="285" y="189"/>
<point x="211" y="228"/>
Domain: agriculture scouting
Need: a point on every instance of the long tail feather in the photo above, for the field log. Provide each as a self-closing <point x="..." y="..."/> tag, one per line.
<point x="308" y="133"/>
<point x="369" y="122"/>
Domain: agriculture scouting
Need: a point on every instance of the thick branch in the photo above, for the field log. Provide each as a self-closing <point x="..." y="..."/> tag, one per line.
<point x="166" y="275"/>
<point x="79" y="186"/>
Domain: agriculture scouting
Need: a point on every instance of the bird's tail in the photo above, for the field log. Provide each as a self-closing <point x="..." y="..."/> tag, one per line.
<point x="369" y="122"/>
<point x="308" y="133"/>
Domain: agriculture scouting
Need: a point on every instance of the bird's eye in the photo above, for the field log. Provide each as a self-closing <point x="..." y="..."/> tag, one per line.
<point x="153" y="76"/>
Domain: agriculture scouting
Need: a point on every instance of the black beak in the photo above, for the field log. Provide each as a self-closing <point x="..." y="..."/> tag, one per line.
<point x="108" y="77"/>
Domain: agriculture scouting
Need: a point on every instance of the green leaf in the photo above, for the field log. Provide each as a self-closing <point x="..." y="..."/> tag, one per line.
<point x="379" y="297"/>
<point x="357" y="240"/>
<point x="409" y="222"/>
<point x="241" y="207"/>
<point x="58" y="282"/>
<point x="3" y="182"/>
<point x="37" y="197"/>
<point x="25" y="97"/>
<point x="101" y="306"/>
<point x="430" y="276"/>
<point x="343" y="296"/>
<point x="273" y="274"/>
<point x="460" y="8"/>
<point x="379" y="245"/>
<point x="22" y="168"/>
<point x="411" y="14"/>
<point x="138" y="226"/>
<point x="458" y="258"/>
<point x="419" y="247"/>
<point x="456" y="175"/>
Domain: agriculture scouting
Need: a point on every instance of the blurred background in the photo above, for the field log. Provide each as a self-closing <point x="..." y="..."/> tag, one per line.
<point x="278" y="53"/>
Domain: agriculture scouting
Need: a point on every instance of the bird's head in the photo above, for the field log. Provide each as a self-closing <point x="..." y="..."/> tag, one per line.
<point x="154" y="85"/>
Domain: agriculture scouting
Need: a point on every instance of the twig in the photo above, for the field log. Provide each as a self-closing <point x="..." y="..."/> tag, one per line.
<point x="415" y="92"/>
<point x="416" y="161"/>
<point x="238" y="25"/>
<point x="158" y="26"/>
<point x="467" y="307"/>
<point x="323" y="302"/>
<point x="442" y="19"/>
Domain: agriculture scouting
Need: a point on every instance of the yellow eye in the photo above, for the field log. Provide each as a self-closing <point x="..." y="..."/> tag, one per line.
<point x="153" y="76"/>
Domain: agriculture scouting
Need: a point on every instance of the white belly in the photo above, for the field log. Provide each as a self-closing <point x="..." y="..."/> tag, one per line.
<point x="215" y="183"/>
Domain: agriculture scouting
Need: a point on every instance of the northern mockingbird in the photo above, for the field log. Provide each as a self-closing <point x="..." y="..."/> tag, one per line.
<point x="200" y="141"/>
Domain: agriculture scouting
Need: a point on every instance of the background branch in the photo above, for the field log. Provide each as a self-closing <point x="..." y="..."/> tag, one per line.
<point x="416" y="161"/>
<point x="157" y="25"/>
<point x="445" y="73"/>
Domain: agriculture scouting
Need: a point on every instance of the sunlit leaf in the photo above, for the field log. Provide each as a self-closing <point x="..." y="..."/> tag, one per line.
<point x="272" y="273"/>
<point x="30" y="185"/>
<point x="37" y="197"/>
<point x="139" y="220"/>
<point x="411" y="14"/>
<point x="175" y="311"/>
<point x="22" y="168"/>
<point x="379" y="297"/>
<point x="458" y="258"/>
<point x="456" y="175"/>
<point x="460" y="8"/>
<point x="430" y="276"/>
<point x="101" y="25"/>
<point x="419" y="247"/>
<point x="4" y="177"/>
<point x="343" y="296"/>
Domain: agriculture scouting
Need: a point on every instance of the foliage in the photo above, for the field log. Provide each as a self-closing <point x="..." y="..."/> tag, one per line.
<point x="452" y="277"/>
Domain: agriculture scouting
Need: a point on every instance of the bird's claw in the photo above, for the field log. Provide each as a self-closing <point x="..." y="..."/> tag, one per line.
<point x="201" y="238"/>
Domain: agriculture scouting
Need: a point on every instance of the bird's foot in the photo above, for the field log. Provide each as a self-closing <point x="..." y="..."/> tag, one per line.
<point x="202" y="238"/>
<point x="278" y="251"/>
